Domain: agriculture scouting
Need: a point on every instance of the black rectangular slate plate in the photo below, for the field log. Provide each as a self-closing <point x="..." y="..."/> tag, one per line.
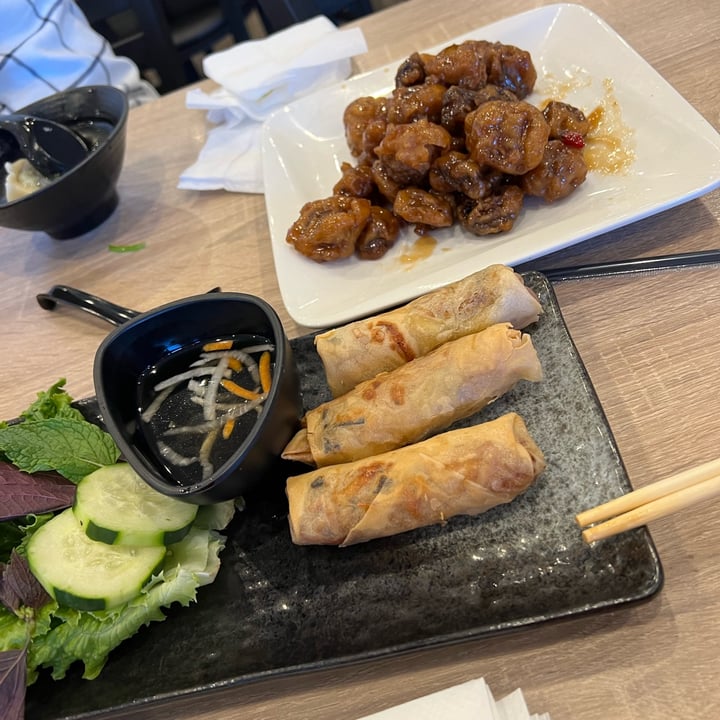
<point x="277" y="608"/>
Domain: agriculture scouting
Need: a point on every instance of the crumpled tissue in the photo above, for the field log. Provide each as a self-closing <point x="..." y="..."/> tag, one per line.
<point x="256" y="78"/>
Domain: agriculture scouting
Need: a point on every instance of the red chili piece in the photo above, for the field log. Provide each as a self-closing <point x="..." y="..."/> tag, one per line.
<point x="573" y="139"/>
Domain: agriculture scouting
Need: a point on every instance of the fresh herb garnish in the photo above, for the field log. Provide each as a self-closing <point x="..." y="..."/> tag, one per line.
<point x="134" y="247"/>
<point x="50" y="447"/>
<point x="52" y="435"/>
<point x="53" y="402"/>
<point x="22" y="595"/>
<point x="12" y="684"/>
<point x="23" y="493"/>
<point x="20" y="592"/>
<point x="73" y="448"/>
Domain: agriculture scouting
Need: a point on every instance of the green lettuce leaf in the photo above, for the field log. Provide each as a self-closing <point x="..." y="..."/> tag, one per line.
<point x="73" y="635"/>
<point x="216" y="516"/>
<point x="53" y="402"/>
<point x="13" y="630"/>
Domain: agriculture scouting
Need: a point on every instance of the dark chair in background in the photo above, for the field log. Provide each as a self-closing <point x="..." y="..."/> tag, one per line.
<point x="163" y="36"/>
<point x="196" y="25"/>
<point x="278" y="14"/>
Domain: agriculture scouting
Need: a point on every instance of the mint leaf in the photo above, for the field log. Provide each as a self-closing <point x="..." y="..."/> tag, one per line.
<point x="12" y="685"/>
<point x="22" y="493"/>
<point x="72" y="447"/>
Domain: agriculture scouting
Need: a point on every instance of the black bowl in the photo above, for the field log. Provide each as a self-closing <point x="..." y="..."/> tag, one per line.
<point x="86" y="195"/>
<point x="163" y="336"/>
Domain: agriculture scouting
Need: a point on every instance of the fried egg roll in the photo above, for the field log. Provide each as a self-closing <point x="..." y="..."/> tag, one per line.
<point x="460" y="472"/>
<point x="360" y="350"/>
<point x="418" y="399"/>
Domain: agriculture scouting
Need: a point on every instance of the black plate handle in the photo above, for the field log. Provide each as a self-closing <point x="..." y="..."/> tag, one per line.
<point x="104" y="309"/>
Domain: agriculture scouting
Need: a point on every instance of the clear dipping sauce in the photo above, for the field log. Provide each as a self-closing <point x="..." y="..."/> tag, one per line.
<point x="199" y="403"/>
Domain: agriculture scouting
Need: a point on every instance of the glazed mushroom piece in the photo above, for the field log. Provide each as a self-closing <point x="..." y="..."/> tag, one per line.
<point x="455" y="141"/>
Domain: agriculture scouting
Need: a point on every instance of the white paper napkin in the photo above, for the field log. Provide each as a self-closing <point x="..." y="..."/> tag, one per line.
<point x="471" y="700"/>
<point x="257" y="77"/>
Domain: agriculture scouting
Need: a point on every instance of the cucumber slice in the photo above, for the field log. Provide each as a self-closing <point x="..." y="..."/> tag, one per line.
<point x="116" y="506"/>
<point x="84" y="574"/>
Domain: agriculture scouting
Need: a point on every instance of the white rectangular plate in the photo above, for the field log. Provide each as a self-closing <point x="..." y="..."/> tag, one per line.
<point x="677" y="158"/>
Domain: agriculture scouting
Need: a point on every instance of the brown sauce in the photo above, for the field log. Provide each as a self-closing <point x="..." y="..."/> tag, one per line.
<point x="559" y="89"/>
<point x="609" y="145"/>
<point x="421" y="249"/>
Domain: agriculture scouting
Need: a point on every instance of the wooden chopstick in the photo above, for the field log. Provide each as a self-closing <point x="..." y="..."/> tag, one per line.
<point x="652" y="502"/>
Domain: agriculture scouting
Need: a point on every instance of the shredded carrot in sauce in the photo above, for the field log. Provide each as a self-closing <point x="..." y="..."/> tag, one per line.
<point x="228" y="427"/>
<point x="238" y="390"/>
<point x="234" y="364"/>
<point x="264" y="370"/>
<point x="242" y="371"/>
<point x="219" y="345"/>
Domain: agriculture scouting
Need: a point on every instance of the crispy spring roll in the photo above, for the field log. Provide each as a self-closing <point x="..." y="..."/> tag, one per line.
<point x="418" y="399"/>
<point x="460" y="472"/>
<point x="362" y="349"/>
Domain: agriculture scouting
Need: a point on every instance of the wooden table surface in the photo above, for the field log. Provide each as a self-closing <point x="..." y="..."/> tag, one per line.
<point x="650" y="343"/>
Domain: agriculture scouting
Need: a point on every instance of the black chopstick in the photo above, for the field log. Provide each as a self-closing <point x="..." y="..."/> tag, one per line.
<point x="661" y="262"/>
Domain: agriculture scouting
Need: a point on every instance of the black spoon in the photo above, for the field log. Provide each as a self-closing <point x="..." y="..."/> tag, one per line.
<point x="51" y="148"/>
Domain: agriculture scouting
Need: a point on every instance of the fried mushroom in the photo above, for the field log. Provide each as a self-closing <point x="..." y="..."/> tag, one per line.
<point x="387" y="187"/>
<point x="507" y="136"/>
<point x="424" y="209"/>
<point x="407" y="104"/>
<point x="457" y="172"/>
<point x="411" y="71"/>
<point x="407" y="151"/>
<point x="454" y="142"/>
<point x="379" y="234"/>
<point x="365" y="122"/>
<point x="328" y="229"/>
<point x="356" y="181"/>
<point x="459" y="102"/>
<point x="561" y="170"/>
<point x="563" y="118"/>
<point x="493" y="214"/>
<point x="463" y="64"/>
<point x="511" y="68"/>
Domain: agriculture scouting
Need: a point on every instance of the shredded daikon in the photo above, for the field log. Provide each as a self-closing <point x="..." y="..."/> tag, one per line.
<point x="154" y="406"/>
<point x="205" y="450"/>
<point x="177" y="379"/>
<point x="226" y="383"/>
<point x="209" y="409"/>
<point x="190" y="429"/>
<point x="174" y="457"/>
